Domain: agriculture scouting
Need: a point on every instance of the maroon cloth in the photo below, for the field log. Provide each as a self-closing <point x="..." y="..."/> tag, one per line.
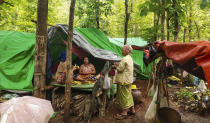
<point x="112" y="72"/>
<point x="193" y="57"/>
<point x="55" y="67"/>
<point x="79" y="52"/>
<point x="63" y="78"/>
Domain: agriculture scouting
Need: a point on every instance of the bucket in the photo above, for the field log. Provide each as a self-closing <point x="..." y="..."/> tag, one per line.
<point x="137" y="96"/>
<point x="167" y="115"/>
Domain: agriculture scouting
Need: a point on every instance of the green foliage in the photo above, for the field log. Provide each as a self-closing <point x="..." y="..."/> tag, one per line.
<point x="86" y="12"/>
<point x="18" y="16"/>
<point x="182" y="7"/>
<point x="185" y="94"/>
<point x="205" y="4"/>
<point x="112" y="16"/>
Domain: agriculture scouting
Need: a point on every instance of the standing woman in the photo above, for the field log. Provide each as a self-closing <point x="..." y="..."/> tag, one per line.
<point x="124" y="78"/>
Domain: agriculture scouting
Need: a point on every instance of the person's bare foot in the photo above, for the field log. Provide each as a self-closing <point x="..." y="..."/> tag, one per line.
<point x="122" y="115"/>
<point x="132" y="111"/>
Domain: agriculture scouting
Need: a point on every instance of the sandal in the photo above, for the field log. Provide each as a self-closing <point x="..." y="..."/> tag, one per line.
<point x="120" y="116"/>
<point x="131" y="113"/>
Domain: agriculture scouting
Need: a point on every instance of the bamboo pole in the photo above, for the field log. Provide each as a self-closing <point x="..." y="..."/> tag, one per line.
<point x="41" y="49"/>
<point x="69" y="63"/>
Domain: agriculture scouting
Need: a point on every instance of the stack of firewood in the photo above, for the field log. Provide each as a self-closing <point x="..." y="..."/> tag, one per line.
<point x="80" y="104"/>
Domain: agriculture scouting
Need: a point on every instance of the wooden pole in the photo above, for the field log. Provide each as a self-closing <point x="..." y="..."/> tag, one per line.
<point x="41" y="49"/>
<point x="69" y="63"/>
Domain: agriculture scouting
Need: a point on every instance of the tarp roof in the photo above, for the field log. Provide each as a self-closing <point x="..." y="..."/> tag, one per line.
<point x="138" y="41"/>
<point x="16" y="60"/>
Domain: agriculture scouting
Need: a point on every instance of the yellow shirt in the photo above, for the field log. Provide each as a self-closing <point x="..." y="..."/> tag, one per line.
<point x="125" y="71"/>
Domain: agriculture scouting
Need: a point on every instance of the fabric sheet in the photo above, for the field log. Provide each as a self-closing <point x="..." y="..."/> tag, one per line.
<point x="194" y="57"/>
<point x="16" y="60"/>
<point x="124" y="96"/>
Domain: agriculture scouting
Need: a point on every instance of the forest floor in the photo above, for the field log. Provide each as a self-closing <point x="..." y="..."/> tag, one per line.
<point x="187" y="117"/>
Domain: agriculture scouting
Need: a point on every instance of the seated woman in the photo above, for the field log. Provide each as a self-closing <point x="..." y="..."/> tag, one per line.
<point x="87" y="71"/>
<point x="61" y="72"/>
<point x="62" y="69"/>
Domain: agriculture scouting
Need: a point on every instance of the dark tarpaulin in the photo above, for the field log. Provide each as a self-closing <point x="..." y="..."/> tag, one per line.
<point x="194" y="57"/>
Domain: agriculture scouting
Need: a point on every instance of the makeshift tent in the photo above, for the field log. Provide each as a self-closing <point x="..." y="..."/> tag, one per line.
<point x="94" y="42"/>
<point x="16" y="60"/>
<point x="18" y="48"/>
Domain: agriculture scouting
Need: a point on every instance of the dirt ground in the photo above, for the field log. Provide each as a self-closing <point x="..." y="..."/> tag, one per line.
<point x="187" y="117"/>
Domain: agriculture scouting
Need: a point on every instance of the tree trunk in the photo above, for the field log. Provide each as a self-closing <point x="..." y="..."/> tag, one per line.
<point x="190" y="24"/>
<point x="184" y="36"/>
<point x="155" y="26"/>
<point x="126" y="21"/>
<point x="69" y="63"/>
<point x="41" y="49"/>
<point x="198" y="30"/>
<point x="168" y="26"/>
<point x="102" y="108"/>
<point x="176" y="22"/>
<point x="163" y="20"/>
<point x="1" y="2"/>
<point x="97" y="14"/>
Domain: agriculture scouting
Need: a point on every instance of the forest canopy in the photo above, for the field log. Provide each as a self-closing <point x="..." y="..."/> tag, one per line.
<point x="173" y="20"/>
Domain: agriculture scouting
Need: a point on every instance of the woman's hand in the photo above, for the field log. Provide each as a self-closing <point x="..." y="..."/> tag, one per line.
<point x="115" y="65"/>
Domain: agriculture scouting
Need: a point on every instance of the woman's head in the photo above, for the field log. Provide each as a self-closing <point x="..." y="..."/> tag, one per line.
<point x="127" y="49"/>
<point x="86" y="60"/>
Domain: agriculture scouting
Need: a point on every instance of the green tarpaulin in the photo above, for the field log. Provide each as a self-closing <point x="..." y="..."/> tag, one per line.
<point x="138" y="41"/>
<point x="99" y="40"/>
<point x="16" y="60"/>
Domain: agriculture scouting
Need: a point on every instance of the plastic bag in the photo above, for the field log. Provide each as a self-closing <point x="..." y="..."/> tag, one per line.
<point x="202" y="87"/>
<point x="152" y="90"/>
<point x="26" y="109"/>
<point x="107" y="80"/>
<point x="151" y="111"/>
<point x="162" y="96"/>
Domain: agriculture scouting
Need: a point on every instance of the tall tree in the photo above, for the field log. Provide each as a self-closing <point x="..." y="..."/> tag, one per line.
<point x="176" y="21"/>
<point x="162" y="19"/>
<point x="97" y="13"/>
<point x="190" y="23"/>
<point x="168" y="25"/>
<point x="184" y="35"/>
<point x="127" y="15"/>
<point x="198" y="30"/>
<point x="41" y="49"/>
<point x="69" y="63"/>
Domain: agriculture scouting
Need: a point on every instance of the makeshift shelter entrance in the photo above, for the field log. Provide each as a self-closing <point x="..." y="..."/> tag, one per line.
<point x="93" y="42"/>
